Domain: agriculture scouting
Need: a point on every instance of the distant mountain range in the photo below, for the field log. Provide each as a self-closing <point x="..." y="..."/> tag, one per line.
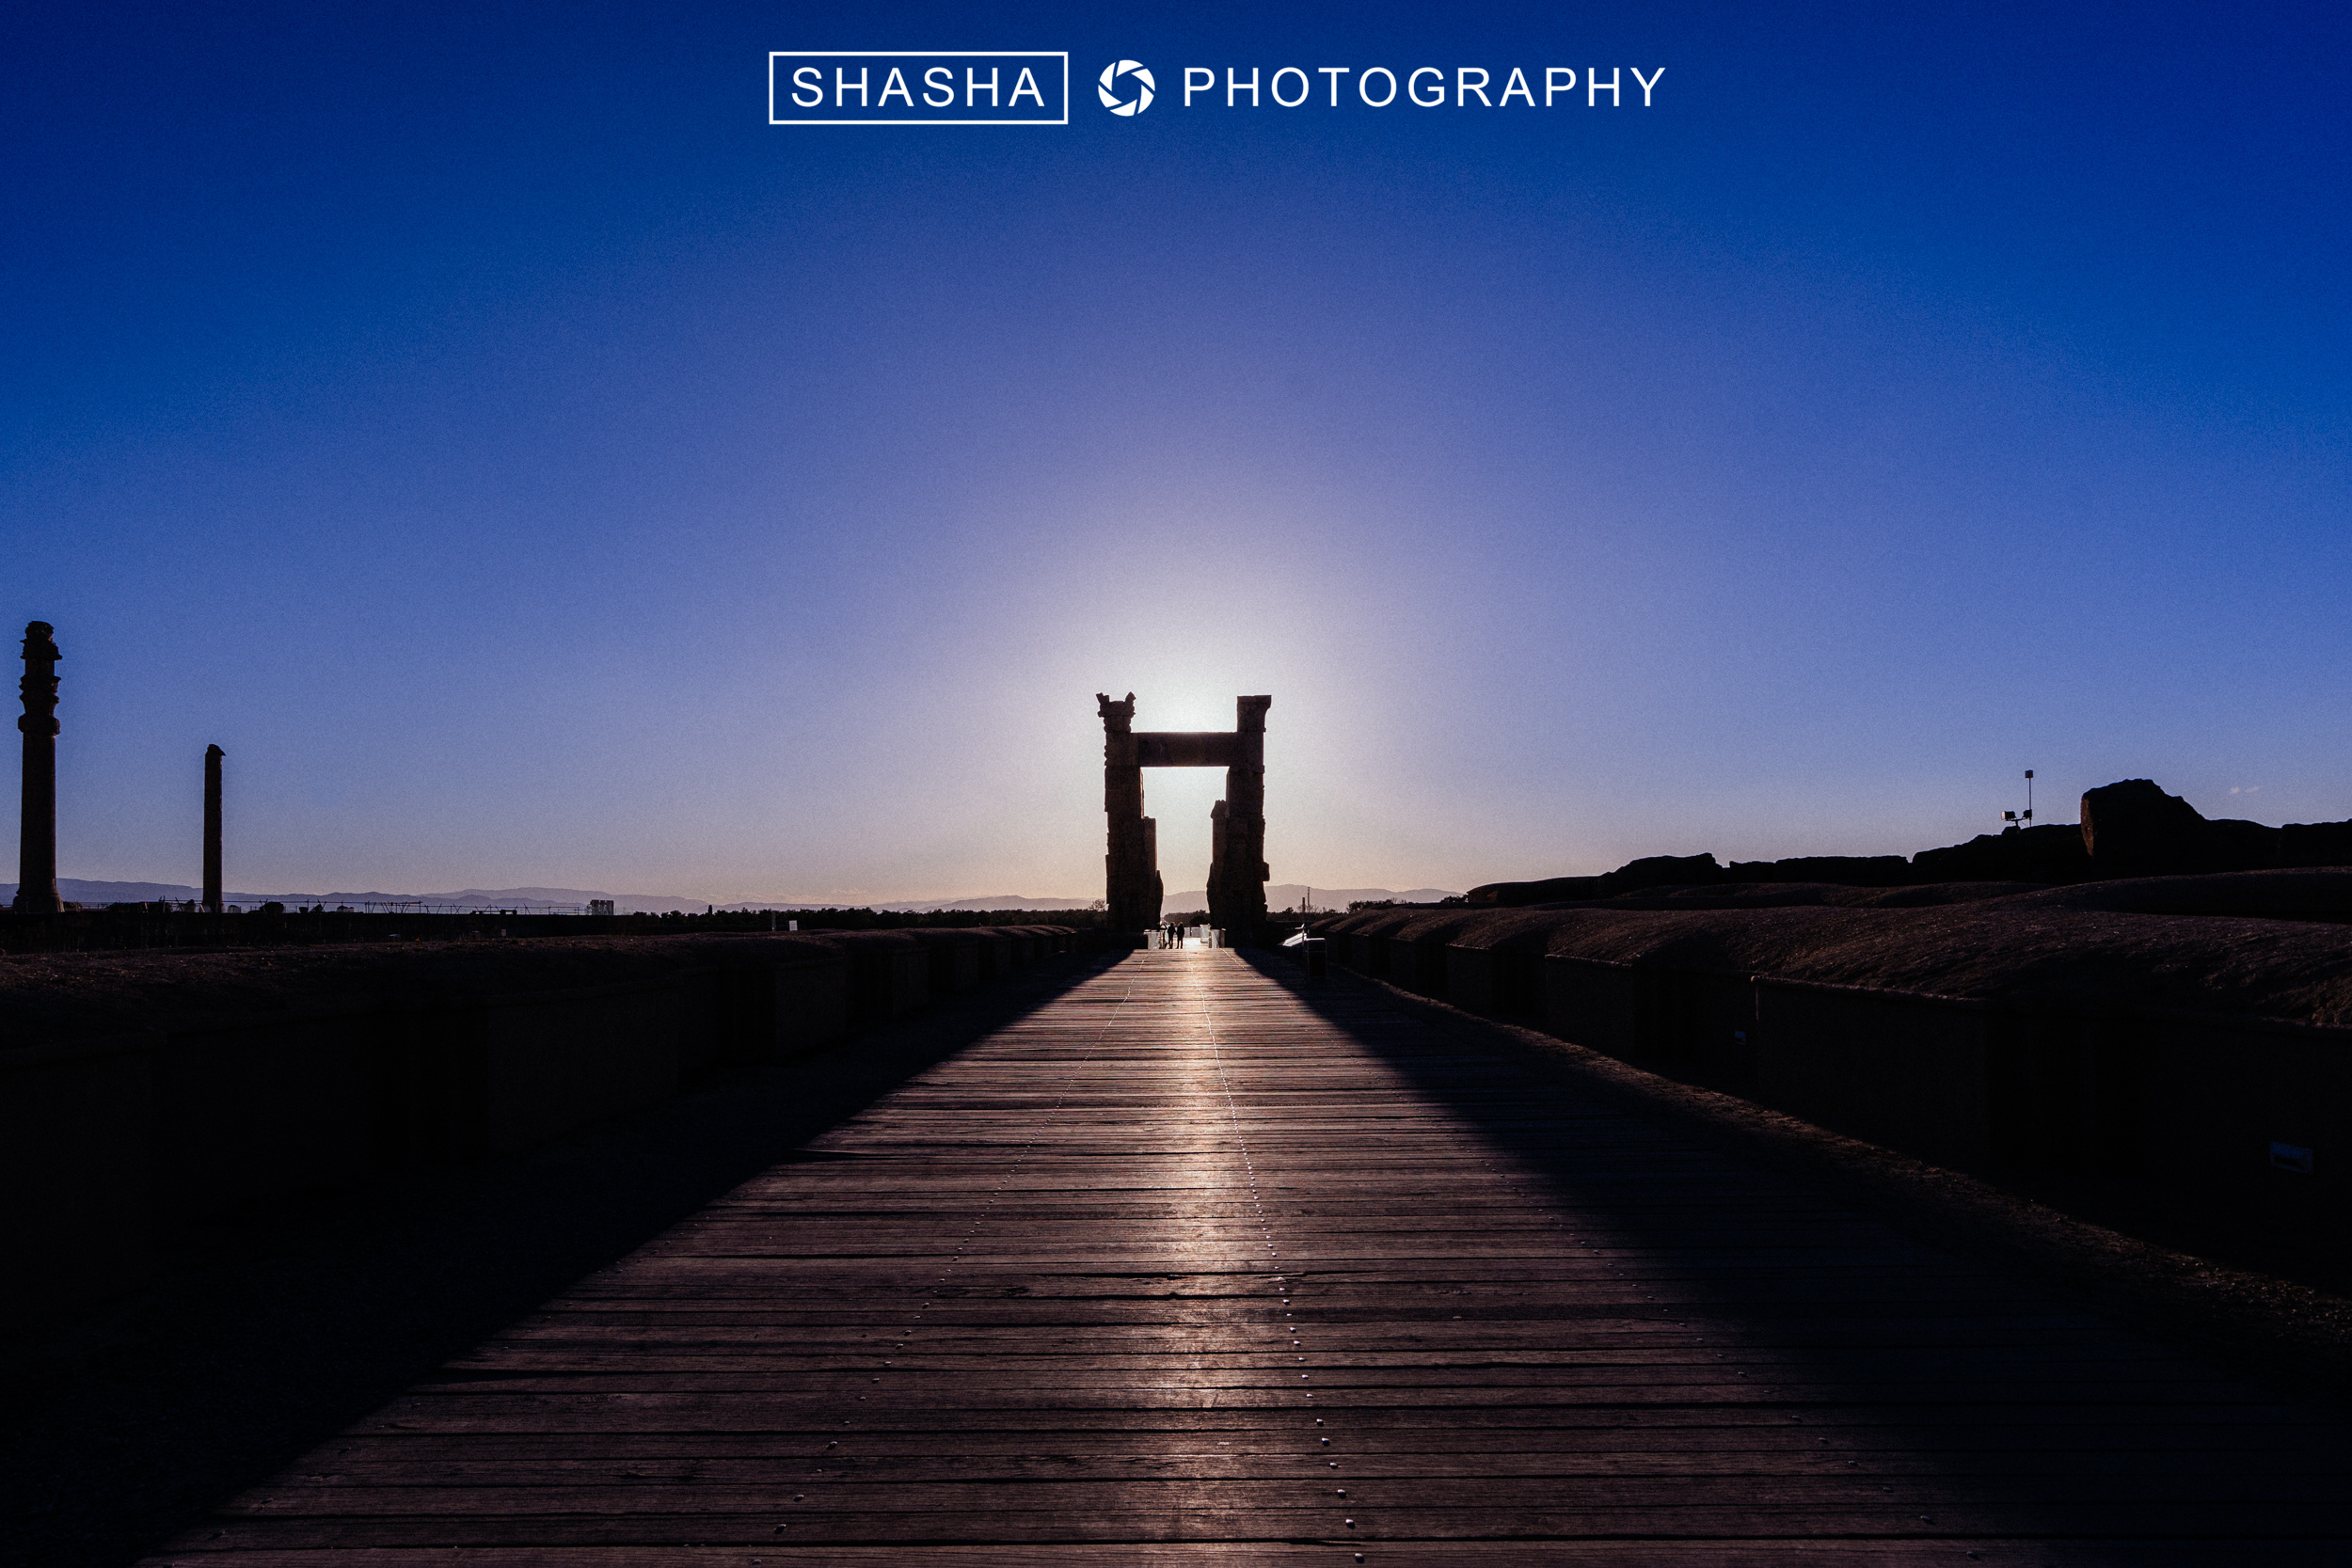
<point x="1285" y="895"/>
<point x="992" y="901"/>
<point x="93" y="894"/>
<point x="96" y="895"/>
<point x="73" y="890"/>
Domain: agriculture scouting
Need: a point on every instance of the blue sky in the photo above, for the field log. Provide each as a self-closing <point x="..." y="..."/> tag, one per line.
<point x="533" y="467"/>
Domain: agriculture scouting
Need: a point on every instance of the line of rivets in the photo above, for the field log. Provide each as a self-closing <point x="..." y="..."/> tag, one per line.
<point x="1234" y="1112"/>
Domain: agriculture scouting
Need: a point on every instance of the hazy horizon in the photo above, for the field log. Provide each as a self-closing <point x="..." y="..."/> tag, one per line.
<point x="532" y="466"/>
<point x="82" y="889"/>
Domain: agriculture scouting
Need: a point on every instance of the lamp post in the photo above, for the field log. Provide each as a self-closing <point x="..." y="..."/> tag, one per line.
<point x="2026" y="820"/>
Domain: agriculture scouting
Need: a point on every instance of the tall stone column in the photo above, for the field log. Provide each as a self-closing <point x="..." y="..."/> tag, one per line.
<point x="1130" y="873"/>
<point x="1238" y="872"/>
<point x="37" y="836"/>
<point x="212" y="828"/>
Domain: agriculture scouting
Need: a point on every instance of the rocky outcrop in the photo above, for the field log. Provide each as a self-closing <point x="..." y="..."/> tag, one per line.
<point x="2134" y="828"/>
<point x="2036" y="855"/>
<point x="1651" y="871"/>
<point x="1661" y="871"/>
<point x="2049" y="854"/>
<point x="1843" y="870"/>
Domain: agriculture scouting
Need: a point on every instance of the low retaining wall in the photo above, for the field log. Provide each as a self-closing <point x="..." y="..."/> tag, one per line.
<point x="112" y="1145"/>
<point x="2094" y="1083"/>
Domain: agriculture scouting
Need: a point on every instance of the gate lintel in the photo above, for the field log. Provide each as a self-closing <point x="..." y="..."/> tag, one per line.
<point x="1188" y="749"/>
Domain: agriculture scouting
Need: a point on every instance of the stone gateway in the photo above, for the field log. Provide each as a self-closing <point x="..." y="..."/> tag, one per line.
<point x="1237" y="867"/>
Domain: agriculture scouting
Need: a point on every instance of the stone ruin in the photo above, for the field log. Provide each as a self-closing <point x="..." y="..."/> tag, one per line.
<point x="1237" y="867"/>
<point x="37" y="803"/>
<point x="36" y="797"/>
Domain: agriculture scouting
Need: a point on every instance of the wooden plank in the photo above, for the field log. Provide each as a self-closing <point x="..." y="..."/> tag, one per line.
<point x="1152" y="1490"/>
<point x="2221" y="1529"/>
<point x="781" y="1553"/>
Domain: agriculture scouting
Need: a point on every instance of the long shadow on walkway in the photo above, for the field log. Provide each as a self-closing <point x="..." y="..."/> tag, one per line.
<point x="273" y="1337"/>
<point x="1871" y="1366"/>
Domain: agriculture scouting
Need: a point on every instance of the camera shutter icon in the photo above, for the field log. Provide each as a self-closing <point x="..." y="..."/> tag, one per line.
<point x="1114" y="90"/>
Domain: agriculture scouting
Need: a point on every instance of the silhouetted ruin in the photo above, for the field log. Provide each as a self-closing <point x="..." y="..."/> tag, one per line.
<point x="212" y="828"/>
<point x="1133" y="887"/>
<point x="2134" y="828"/>
<point x="2129" y="828"/>
<point x="37" y="834"/>
<point x="1238" y="865"/>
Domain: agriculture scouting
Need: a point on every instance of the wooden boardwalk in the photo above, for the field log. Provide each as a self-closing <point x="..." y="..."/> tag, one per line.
<point x="1194" y="1265"/>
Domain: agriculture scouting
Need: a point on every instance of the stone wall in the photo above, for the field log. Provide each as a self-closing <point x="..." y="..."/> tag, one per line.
<point x="144" y="1094"/>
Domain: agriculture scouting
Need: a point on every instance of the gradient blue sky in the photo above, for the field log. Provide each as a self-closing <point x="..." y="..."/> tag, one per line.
<point x="534" y="468"/>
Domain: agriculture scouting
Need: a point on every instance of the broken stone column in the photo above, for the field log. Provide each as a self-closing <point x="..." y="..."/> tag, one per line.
<point x="37" y="834"/>
<point x="212" y="828"/>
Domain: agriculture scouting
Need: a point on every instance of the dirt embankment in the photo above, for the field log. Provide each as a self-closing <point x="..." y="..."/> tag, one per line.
<point x="2267" y="943"/>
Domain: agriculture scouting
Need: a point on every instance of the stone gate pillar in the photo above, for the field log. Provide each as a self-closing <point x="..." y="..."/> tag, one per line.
<point x="1220" y="865"/>
<point x="37" y="823"/>
<point x="1132" y="875"/>
<point x="1237" y="869"/>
